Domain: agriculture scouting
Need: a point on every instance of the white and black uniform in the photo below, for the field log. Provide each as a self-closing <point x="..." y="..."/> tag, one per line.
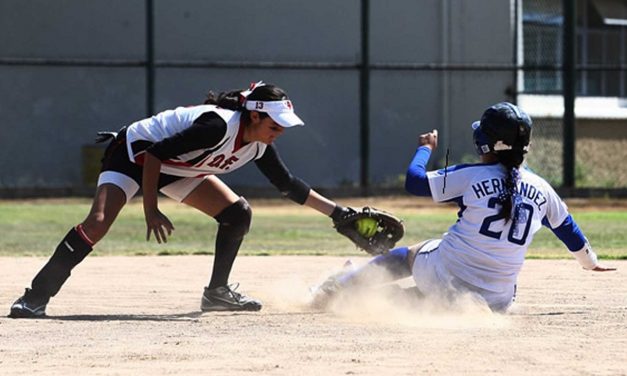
<point x="192" y="143"/>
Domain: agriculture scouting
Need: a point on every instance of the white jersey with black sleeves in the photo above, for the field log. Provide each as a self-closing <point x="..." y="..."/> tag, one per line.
<point x="481" y="248"/>
<point x="229" y="154"/>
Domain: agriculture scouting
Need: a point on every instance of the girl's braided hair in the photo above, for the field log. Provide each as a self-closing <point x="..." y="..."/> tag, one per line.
<point x="510" y="197"/>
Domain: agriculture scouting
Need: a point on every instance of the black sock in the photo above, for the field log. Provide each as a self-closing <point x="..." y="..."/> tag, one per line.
<point x="234" y="224"/>
<point x="69" y="253"/>
<point x="226" y="251"/>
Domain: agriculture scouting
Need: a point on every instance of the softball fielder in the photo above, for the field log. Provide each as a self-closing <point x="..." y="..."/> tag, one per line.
<point x="501" y="206"/>
<point x="181" y="152"/>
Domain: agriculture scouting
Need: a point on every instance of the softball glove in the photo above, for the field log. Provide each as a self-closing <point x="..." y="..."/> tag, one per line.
<point x="370" y="229"/>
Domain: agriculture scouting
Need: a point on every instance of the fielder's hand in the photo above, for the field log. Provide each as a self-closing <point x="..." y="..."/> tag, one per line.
<point x="159" y="224"/>
<point x="379" y="235"/>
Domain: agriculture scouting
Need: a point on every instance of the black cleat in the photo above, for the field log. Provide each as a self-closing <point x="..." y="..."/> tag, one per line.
<point x="225" y="298"/>
<point x="29" y="306"/>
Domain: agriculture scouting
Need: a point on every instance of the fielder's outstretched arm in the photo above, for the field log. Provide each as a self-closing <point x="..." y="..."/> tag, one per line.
<point x="290" y="186"/>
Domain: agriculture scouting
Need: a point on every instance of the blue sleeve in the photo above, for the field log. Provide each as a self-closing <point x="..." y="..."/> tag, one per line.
<point x="569" y="233"/>
<point x="416" y="181"/>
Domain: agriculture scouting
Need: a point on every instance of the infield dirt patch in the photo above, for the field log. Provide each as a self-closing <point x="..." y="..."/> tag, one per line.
<point x="140" y="316"/>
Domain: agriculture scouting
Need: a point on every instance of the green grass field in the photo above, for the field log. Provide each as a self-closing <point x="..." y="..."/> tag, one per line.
<point x="33" y="228"/>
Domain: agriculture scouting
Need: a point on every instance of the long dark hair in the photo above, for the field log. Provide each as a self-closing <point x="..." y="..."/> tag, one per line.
<point x="510" y="198"/>
<point x="233" y="100"/>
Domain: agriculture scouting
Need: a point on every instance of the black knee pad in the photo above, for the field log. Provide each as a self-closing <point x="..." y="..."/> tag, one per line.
<point x="235" y="219"/>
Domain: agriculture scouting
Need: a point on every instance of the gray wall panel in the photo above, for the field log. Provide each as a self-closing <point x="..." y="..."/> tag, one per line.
<point x="404" y="105"/>
<point x="405" y="31"/>
<point x="245" y="30"/>
<point x="325" y="152"/>
<point x="65" y="106"/>
<point x="72" y="29"/>
<point x="470" y="94"/>
<point x="48" y="114"/>
<point x="407" y="104"/>
<point x="434" y="31"/>
<point x="479" y="36"/>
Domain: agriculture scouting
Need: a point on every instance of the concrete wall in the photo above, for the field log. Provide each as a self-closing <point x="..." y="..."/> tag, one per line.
<point x="49" y="113"/>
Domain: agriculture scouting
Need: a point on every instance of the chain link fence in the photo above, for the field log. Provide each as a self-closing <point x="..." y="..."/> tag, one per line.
<point x="542" y="43"/>
<point x="601" y="127"/>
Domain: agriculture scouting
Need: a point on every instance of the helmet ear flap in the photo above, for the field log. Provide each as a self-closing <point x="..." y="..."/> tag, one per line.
<point x="481" y="141"/>
<point x="523" y="135"/>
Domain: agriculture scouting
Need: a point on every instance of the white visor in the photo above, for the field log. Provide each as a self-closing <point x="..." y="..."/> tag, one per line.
<point x="282" y="112"/>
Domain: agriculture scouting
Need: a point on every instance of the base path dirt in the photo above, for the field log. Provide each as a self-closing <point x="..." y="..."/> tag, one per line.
<point x="140" y="316"/>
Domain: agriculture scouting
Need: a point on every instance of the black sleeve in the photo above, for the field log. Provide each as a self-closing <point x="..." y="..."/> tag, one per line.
<point x="271" y="165"/>
<point x="206" y="132"/>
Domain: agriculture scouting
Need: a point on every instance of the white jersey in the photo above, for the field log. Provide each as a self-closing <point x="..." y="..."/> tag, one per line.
<point x="481" y="248"/>
<point x="228" y="155"/>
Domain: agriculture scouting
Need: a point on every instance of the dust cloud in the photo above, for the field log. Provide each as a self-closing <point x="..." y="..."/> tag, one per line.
<point x="381" y="302"/>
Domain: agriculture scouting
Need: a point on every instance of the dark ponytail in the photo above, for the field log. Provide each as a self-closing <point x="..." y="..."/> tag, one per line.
<point x="510" y="198"/>
<point x="230" y="100"/>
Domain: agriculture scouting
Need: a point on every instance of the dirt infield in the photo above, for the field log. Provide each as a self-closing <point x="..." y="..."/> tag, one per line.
<point x="140" y="316"/>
